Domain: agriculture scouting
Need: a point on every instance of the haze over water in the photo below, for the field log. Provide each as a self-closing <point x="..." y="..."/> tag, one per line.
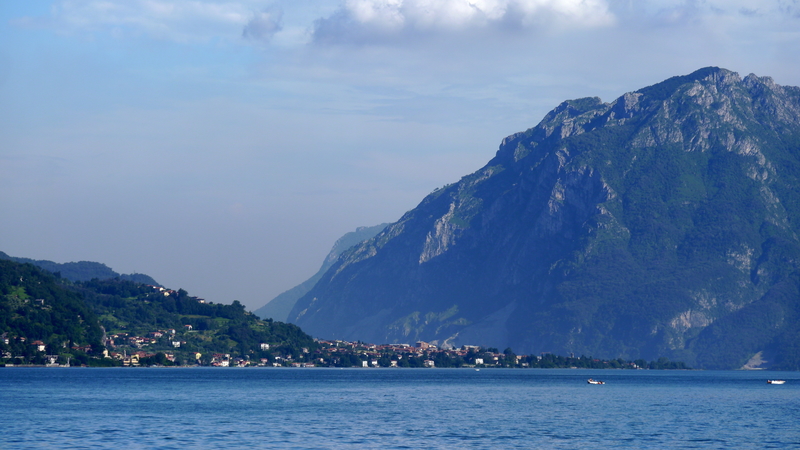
<point x="396" y="408"/>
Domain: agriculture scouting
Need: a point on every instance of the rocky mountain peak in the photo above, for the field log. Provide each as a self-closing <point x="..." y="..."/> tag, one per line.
<point x="659" y="224"/>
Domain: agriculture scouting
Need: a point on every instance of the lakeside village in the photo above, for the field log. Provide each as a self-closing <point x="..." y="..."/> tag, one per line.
<point x="145" y="351"/>
<point x="234" y="342"/>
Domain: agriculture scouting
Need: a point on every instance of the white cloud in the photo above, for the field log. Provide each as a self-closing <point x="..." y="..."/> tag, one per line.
<point x="381" y="21"/>
<point x="363" y="20"/>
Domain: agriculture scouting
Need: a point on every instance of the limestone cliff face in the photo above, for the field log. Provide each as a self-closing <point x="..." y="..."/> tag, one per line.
<point x="660" y="224"/>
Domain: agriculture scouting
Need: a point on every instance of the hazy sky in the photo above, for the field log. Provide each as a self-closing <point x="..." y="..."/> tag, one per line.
<point x="223" y="146"/>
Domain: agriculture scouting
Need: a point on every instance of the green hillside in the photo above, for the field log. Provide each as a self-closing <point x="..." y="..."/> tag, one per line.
<point x="106" y="322"/>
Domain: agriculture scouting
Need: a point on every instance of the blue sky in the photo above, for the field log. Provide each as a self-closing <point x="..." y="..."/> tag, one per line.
<point x="223" y="146"/>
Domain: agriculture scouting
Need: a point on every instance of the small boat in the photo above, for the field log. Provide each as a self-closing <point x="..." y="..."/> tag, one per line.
<point x="776" y="381"/>
<point x="591" y="381"/>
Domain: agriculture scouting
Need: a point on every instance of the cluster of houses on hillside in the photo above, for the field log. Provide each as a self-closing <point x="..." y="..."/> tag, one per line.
<point x="169" y="292"/>
<point x="152" y="338"/>
<point x="35" y="346"/>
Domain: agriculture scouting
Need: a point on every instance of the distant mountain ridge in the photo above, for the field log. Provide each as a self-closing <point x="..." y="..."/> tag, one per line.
<point x="664" y="223"/>
<point x="279" y="307"/>
<point x="82" y="270"/>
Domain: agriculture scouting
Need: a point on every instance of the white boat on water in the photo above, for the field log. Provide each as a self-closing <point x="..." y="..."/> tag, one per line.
<point x="591" y="381"/>
<point x="776" y="381"/>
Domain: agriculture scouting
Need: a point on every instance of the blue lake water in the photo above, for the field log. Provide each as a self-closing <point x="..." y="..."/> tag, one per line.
<point x="205" y="408"/>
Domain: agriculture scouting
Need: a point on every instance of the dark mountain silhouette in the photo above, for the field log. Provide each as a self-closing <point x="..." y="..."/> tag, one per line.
<point x="82" y="270"/>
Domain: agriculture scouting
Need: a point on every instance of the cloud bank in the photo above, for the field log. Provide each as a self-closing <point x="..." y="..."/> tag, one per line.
<point x="393" y="22"/>
<point x="376" y="20"/>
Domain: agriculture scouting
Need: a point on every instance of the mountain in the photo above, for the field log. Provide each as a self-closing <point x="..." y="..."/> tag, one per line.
<point x="664" y="223"/>
<point x="279" y="307"/>
<point x="82" y="270"/>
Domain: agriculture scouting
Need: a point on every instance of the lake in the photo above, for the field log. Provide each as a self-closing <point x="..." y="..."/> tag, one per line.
<point x="206" y="408"/>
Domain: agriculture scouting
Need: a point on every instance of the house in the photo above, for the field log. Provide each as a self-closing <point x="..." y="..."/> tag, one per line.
<point x="428" y="363"/>
<point x="264" y="346"/>
<point x="39" y="345"/>
<point x="478" y="361"/>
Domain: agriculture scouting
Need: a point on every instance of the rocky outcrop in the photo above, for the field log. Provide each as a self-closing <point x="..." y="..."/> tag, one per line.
<point x="650" y="226"/>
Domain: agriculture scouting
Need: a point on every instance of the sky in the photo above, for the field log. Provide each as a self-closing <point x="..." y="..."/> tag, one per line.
<point x="223" y="146"/>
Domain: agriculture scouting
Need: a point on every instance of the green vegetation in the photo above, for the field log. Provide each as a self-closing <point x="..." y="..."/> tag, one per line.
<point x="118" y="322"/>
<point x="36" y="312"/>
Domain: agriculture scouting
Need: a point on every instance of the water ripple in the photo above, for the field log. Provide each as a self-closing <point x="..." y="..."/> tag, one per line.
<point x="395" y="409"/>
